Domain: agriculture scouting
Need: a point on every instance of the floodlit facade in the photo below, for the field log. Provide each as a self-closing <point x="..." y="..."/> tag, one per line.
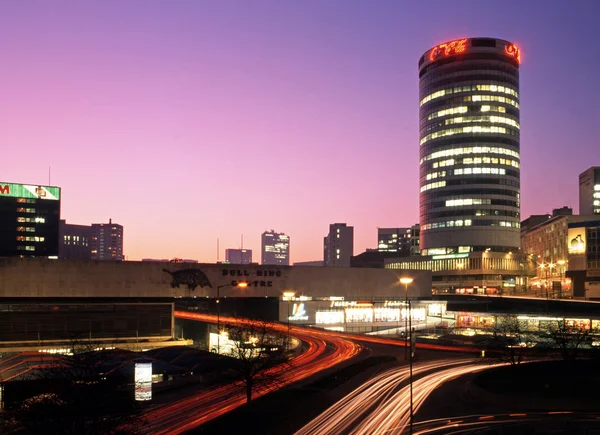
<point x="589" y="191"/>
<point x="566" y="251"/>
<point x="275" y="249"/>
<point x="469" y="147"/>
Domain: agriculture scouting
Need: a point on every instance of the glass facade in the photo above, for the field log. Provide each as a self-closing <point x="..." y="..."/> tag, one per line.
<point x="469" y="147"/>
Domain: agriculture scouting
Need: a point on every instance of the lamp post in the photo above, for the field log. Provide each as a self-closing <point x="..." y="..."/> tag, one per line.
<point x="561" y="263"/>
<point x="241" y="284"/>
<point x="406" y="281"/>
<point x="543" y="266"/>
<point x="288" y="295"/>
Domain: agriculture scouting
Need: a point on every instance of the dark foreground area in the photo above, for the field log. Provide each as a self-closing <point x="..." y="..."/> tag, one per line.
<point x="549" y="397"/>
<point x="285" y="411"/>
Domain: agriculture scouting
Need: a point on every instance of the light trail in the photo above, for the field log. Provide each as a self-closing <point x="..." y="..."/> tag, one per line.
<point x="322" y="351"/>
<point x="367" y="399"/>
<point x="394" y="415"/>
<point x="474" y="423"/>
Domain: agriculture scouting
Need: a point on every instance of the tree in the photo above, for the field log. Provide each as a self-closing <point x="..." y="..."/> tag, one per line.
<point x="568" y="337"/>
<point x="509" y="341"/>
<point x="261" y="357"/>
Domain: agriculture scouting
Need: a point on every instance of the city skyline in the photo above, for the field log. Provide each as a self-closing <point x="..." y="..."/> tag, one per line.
<point x="187" y="104"/>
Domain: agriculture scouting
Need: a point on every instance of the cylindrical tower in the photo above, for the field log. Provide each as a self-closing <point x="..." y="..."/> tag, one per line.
<point x="469" y="147"/>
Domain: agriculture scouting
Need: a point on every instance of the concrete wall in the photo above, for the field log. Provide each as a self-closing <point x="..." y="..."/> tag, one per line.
<point x="38" y="277"/>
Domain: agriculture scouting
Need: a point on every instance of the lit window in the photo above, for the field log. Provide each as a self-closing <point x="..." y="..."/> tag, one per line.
<point x="469" y="88"/>
<point x="469" y="171"/>
<point x="473" y="129"/>
<point x="435" y="185"/>
<point x="470" y="150"/>
<point x="492" y="119"/>
<point x="451" y="111"/>
<point x="434" y="175"/>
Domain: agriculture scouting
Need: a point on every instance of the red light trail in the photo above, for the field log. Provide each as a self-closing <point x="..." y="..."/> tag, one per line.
<point x="322" y="352"/>
<point x="323" y="349"/>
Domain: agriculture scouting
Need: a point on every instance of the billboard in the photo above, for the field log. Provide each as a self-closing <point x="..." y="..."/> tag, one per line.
<point x="576" y="241"/>
<point x="29" y="191"/>
<point x="143" y="381"/>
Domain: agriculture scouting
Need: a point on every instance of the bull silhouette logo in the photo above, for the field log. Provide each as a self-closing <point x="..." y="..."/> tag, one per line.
<point x="191" y="278"/>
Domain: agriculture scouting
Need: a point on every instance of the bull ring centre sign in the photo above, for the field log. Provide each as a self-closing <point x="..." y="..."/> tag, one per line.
<point x="252" y="277"/>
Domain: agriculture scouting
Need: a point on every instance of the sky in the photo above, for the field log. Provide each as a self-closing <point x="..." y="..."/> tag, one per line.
<point x="188" y="121"/>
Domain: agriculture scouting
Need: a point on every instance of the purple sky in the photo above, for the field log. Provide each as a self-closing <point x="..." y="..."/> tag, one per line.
<point x="191" y="120"/>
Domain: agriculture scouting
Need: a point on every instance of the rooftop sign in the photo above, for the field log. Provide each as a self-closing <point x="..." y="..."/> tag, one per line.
<point x="446" y="49"/>
<point x="29" y="191"/>
<point x="459" y="46"/>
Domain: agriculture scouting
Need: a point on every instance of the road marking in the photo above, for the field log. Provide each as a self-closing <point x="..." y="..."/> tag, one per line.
<point x="517" y="415"/>
<point x="487" y="417"/>
<point x="560" y="412"/>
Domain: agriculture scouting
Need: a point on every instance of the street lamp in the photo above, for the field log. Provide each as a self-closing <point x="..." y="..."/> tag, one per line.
<point x="406" y="281"/>
<point x="241" y="284"/>
<point x="288" y="295"/>
<point x="561" y="263"/>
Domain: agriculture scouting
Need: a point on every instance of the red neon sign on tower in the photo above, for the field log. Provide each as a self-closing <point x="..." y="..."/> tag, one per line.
<point x="453" y="47"/>
<point x="513" y="51"/>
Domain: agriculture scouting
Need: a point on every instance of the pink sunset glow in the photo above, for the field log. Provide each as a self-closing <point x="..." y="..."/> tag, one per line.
<point x="191" y="121"/>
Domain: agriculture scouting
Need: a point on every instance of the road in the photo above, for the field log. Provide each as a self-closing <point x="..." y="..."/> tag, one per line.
<point x="366" y="401"/>
<point x="540" y="422"/>
<point x="322" y="351"/>
<point x="380" y="406"/>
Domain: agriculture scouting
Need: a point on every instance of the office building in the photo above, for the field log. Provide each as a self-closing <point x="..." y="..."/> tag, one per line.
<point x="275" y="249"/>
<point x="74" y="241"/>
<point x="29" y="220"/>
<point x="469" y="147"/>
<point x="589" y="191"/>
<point x="399" y="240"/>
<point x="338" y="246"/>
<point x="238" y="256"/>
<point x="469" y="166"/>
<point x="107" y="241"/>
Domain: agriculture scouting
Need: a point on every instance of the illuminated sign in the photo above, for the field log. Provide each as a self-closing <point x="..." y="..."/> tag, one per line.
<point x="29" y="191"/>
<point x="343" y="303"/>
<point x="445" y="257"/>
<point x="513" y="51"/>
<point x="143" y="381"/>
<point x="298" y="313"/>
<point x="576" y="240"/>
<point x="453" y="47"/>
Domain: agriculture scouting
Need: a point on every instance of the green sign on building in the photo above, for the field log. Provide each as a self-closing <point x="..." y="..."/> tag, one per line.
<point x="29" y="191"/>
